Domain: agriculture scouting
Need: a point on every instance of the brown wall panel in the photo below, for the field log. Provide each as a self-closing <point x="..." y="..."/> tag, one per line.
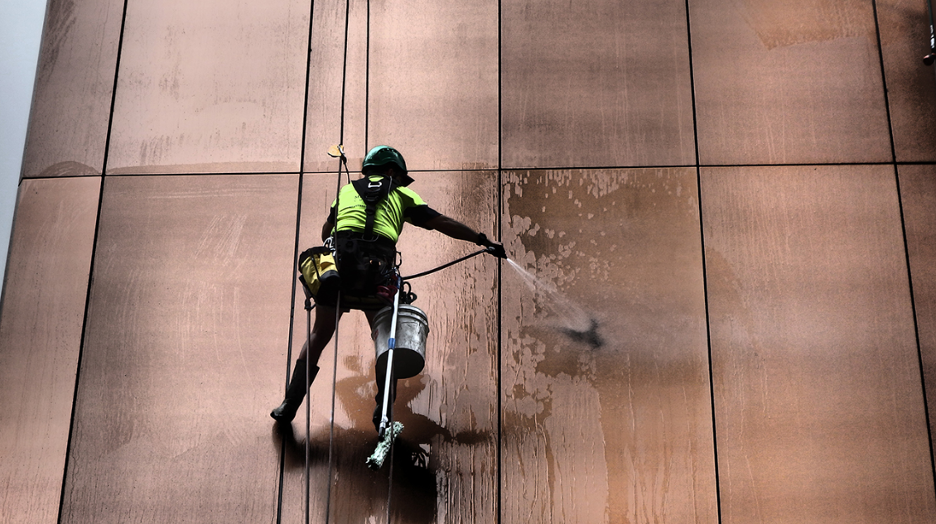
<point x="445" y="468"/>
<point x="818" y="395"/>
<point x="326" y="71"/>
<point x="188" y="319"/>
<point x="911" y="85"/>
<point x="607" y="412"/>
<point x="818" y="402"/>
<point x="787" y="82"/>
<point x="918" y="194"/>
<point x="595" y="84"/>
<point x="209" y="87"/>
<point x="432" y="88"/>
<point x="74" y="83"/>
<point x="40" y="335"/>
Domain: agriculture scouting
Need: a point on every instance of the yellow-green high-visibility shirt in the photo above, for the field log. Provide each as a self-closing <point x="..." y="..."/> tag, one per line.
<point x="401" y="205"/>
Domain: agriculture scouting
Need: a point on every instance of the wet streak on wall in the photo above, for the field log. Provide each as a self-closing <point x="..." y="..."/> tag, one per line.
<point x="187" y="321"/>
<point x="453" y="417"/>
<point x="210" y="88"/>
<point x="918" y="196"/>
<point x="445" y="464"/>
<point x="605" y="374"/>
<point x="787" y="82"/>
<point x="74" y="84"/>
<point x="595" y="84"/>
<point x="43" y="311"/>
<point x="816" y="380"/>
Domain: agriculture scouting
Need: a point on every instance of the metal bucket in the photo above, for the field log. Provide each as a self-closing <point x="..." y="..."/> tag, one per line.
<point x="409" y="353"/>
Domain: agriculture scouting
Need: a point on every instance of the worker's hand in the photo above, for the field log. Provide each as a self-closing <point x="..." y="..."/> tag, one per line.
<point x="497" y="249"/>
<point x="494" y="248"/>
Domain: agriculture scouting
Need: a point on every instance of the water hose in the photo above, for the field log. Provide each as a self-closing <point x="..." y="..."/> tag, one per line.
<point x="452" y="263"/>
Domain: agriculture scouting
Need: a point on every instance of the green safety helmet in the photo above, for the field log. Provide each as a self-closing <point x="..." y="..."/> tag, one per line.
<point x="383" y="155"/>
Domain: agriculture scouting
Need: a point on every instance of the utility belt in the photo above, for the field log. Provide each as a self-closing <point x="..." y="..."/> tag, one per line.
<point x="364" y="261"/>
<point x="371" y="240"/>
<point x="360" y="264"/>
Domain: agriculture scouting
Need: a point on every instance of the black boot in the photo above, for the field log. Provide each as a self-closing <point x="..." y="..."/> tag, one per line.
<point x="295" y="392"/>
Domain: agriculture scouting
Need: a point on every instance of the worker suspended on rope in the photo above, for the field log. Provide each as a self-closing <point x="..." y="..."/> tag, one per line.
<point x="364" y="228"/>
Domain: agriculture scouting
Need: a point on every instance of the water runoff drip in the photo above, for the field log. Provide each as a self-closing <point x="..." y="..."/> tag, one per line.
<point x="575" y="322"/>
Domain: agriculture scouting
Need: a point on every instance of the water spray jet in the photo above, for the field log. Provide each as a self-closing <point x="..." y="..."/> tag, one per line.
<point x="570" y="313"/>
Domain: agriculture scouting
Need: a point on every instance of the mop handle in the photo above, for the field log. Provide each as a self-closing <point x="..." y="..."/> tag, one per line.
<point x="391" y="343"/>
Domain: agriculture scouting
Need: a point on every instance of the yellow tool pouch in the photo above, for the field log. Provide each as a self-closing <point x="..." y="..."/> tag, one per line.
<point x="319" y="273"/>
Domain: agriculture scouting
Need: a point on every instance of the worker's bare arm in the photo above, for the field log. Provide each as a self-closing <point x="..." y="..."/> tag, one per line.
<point x="452" y="228"/>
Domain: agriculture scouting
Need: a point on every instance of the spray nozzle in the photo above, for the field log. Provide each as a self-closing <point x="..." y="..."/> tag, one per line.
<point x="497" y="250"/>
<point x="494" y="248"/>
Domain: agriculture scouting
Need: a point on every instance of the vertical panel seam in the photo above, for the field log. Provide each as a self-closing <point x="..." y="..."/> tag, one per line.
<point x="906" y="245"/>
<point x="887" y="112"/>
<point x="498" y="449"/>
<point x="708" y="327"/>
<point x="94" y="242"/>
<point x="916" y="329"/>
<point x="292" y="301"/>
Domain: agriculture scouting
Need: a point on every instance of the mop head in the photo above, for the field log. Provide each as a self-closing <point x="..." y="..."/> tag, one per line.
<point x="376" y="460"/>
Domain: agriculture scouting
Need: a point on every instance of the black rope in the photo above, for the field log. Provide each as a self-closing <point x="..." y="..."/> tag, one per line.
<point x="341" y="160"/>
<point x="308" y="403"/>
<point x="331" y="425"/>
<point x="387" y="391"/>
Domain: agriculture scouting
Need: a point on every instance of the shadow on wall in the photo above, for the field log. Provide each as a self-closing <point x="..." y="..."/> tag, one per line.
<point x="415" y="470"/>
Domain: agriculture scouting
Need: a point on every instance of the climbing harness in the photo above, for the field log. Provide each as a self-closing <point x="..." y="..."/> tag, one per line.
<point x="373" y="190"/>
<point x="367" y="260"/>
